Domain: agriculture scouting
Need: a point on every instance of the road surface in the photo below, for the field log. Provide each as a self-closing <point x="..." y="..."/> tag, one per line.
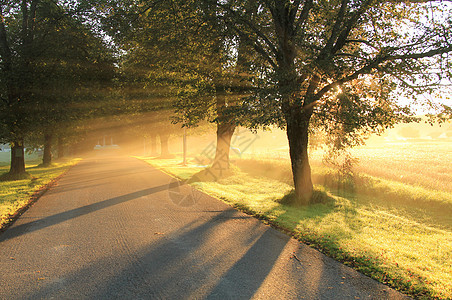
<point x="112" y="229"/>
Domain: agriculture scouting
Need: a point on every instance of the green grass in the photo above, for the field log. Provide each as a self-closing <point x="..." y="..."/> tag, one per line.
<point x="16" y="194"/>
<point x="397" y="233"/>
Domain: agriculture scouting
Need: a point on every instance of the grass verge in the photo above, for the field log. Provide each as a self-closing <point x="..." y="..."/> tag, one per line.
<point x="380" y="229"/>
<point x="18" y="194"/>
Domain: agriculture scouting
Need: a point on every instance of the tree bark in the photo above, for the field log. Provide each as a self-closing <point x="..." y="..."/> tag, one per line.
<point x="164" y="150"/>
<point x="298" y="136"/>
<point x="47" y="156"/>
<point x="17" y="158"/>
<point x="225" y="131"/>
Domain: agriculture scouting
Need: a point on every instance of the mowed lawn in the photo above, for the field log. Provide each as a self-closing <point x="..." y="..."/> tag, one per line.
<point x="16" y="194"/>
<point x="391" y="221"/>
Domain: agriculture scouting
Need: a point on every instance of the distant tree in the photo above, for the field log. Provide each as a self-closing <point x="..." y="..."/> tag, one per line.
<point x="336" y="65"/>
<point x="149" y="105"/>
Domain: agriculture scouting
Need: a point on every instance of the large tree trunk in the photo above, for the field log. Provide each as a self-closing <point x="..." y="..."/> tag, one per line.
<point x="225" y="131"/>
<point x="164" y="150"/>
<point x="47" y="156"/>
<point x="298" y="136"/>
<point x="17" y="158"/>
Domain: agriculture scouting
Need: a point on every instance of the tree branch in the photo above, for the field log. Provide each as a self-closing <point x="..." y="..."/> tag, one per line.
<point x="250" y="26"/>
<point x="304" y="14"/>
<point x="430" y="53"/>
<point x="257" y="46"/>
<point x="351" y="55"/>
<point x="414" y="87"/>
<point x="376" y="62"/>
<point x="293" y="11"/>
<point x="342" y="38"/>
<point x="336" y="28"/>
<point x="360" y="41"/>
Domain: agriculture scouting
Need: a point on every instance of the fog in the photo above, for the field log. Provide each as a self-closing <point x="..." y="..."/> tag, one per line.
<point x="397" y="154"/>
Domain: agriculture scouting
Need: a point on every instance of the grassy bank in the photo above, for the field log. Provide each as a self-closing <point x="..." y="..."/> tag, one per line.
<point x="15" y="195"/>
<point x="397" y="233"/>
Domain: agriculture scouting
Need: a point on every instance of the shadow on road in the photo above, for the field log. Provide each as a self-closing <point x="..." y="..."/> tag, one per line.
<point x="16" y="231"/>
<point x="202" y="260"/>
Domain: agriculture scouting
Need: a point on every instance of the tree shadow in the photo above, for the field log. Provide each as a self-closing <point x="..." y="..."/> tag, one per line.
<point x="210" y="174"/>
<point x="289" y="217"/>
<point x="21" y="229"/>
<point x="211" y="259"/>
<point x="318" y="197"/>
<point x="228" y="256"/>
<point x="87" y="181"/>
<point x="15" y="177"/>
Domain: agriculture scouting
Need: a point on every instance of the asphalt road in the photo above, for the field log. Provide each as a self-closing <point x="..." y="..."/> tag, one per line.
<point x="116" y="228"/>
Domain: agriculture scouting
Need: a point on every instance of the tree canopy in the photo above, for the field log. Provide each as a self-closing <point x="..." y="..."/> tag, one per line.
<point x="338" y="66"/>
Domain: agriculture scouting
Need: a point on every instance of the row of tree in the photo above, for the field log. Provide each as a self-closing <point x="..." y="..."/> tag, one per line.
<point x="303" y="65"/>
<point x="58" y="71"/>
<point x="306" y="66"/>
<point x="52" y="67"/>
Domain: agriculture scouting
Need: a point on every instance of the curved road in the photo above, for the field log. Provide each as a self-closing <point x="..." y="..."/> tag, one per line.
<point x="110" y="229"/>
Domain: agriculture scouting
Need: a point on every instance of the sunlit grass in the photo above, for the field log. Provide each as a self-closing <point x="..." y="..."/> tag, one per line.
<point x="400" y="234"/>
<point x="423" y="164"/>
<point x="16" y="194"/>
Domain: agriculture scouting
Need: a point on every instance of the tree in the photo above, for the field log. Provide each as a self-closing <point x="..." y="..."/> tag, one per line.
<point x="17" y="30"/>
<point x="50" y="60"/>
<point x="76" y="67"/>
<point x="336" y="65"/>
<point x="183" y="46"/>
